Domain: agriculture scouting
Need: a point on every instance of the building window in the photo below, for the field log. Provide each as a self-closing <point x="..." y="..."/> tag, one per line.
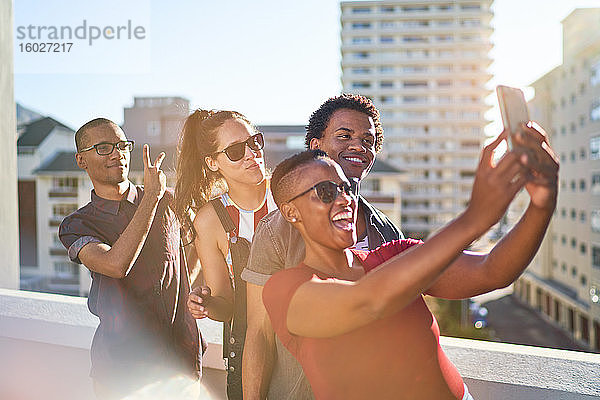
<point x="415" y="9"/>
<point x="470" y="38"/>
<point x="563" y="240"/>
<point x="595" y="148"/>
<point x="361" y="10"/>
<point x="595" y="189"/>
<point x="414" y="99"/>
<point x="444" y="38"/>
<point x="470" y="7"/>
<point x="65" y="184"/>
<point x="62" y="210"/>
<point x="386" y="39"/>
<point x="595" y="220"/>
<point x="386" y="69"/>
<point x="582" y="248"/>
<point x="361" y="25"/>
<point x="563" y="212"/>
<point x="414" y="39"/>
<point x="361" y="55"/>
<point x="56" y="240"/>
<point x="361" y="85"/>
<point x="573" y="156"/>
<point x="582" y="216"/>
<point x="385" y="9"/>
<point x="582" y="154"/>
<point x="573" y="214"/>
<point x="414" y="69"/>
<point x="386" y="84"/>
<point x="414" y="84"/>
<point x="582" y="120"/>
<point x="470" y="22"/>
<point x="573" y="185"/>
<point x="66" y="270"/>
<point x="573" y="271"/>
<point x="573" y="243"/>
<point x="582" y="185"/>
<point x="583" y="280"/>
<point x="595" y="74"/>
<point x="595" y="110"/>
<point x="361" y="70"/>
<point x="387" y="24"/>
<point x="596" y="256"/>
<point x="153" y="128"/>
<point x="361" y="40"/>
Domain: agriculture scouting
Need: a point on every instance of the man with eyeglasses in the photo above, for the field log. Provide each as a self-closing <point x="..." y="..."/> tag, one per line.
<point x="129" y="238"/>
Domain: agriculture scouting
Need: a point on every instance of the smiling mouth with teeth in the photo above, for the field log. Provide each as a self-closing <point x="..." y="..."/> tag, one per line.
<point x="343" y="220"/>
<point x="354" y="160"/>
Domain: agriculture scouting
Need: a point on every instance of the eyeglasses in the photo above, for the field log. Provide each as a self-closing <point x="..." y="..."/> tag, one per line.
<point x="328" y="191"/>
<point x="105" y="148"/>
<point x="236" y="151"/>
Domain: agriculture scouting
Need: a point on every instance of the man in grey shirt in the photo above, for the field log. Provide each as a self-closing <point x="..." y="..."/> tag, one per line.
<point x="348" y="129"/>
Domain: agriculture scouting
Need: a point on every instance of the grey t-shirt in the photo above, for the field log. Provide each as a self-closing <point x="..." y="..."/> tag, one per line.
<point x="278" y="245"/>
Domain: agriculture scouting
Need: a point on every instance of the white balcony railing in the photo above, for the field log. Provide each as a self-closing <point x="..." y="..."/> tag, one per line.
<point x="45" y="341"/>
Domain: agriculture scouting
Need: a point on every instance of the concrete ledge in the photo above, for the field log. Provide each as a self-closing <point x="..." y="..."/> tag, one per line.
<point x="499" y="370"/>
<point x="65" y="321"/>
<point x="491" y="370"/>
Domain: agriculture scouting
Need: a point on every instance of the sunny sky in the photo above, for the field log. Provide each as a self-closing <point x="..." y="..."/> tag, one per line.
<point x="273" y="60"/>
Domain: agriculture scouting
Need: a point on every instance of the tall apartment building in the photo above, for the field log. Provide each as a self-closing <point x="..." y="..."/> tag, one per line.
<point x="563" y="282"/>
<point x="424" y="64"/>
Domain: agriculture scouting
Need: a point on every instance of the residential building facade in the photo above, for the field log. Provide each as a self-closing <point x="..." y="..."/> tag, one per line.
<point x="563" y="282"/>
<point x="50" y="187"/>
<point x="424" y="64"/>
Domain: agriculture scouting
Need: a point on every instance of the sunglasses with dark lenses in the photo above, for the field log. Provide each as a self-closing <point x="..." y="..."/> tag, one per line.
<point x="328" y="191"/>
<point x="236" y="151"/>
<point x="105" y="148"/>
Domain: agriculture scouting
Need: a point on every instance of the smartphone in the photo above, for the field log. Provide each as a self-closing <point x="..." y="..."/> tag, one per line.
<point x="513" y="109"/>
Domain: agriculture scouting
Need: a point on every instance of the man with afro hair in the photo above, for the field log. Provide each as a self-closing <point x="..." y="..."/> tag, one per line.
<point x="348" y="128"/>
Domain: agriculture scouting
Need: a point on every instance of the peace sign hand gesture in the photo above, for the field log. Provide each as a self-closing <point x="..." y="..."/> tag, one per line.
<point x="155" y="181"/>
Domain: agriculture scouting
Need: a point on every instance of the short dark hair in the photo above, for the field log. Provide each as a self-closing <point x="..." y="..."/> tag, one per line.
<point x="81" y="134"/>
<point x="320" y="118"/>
<point x="282" y="180"/>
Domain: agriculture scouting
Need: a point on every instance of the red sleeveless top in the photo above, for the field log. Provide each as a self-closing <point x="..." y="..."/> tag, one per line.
<point x="397" y="357"/>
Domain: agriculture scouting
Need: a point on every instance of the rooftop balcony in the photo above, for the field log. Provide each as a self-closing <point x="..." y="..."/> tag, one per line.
<point x="45" y="341"/>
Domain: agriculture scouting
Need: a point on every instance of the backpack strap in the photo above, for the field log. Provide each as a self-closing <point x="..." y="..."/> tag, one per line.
<point x="224" y="217"/>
